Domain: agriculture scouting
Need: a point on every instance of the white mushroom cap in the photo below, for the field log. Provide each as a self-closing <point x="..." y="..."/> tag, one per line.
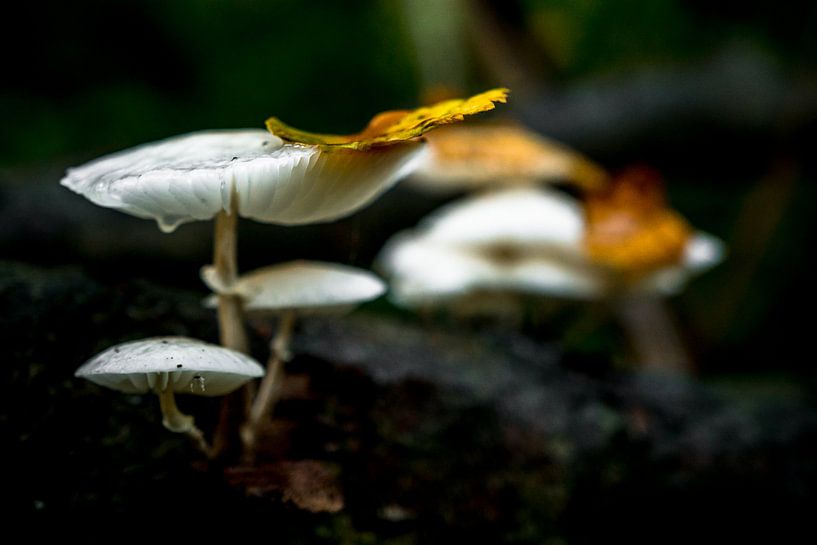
<point x="300" y="285"/>
<point x="186" y="365"/>
<point x="190" y="177"/>
<point x="525" y="240"/>
<point x="424" y="271"/>
<point x="518" y="216"/>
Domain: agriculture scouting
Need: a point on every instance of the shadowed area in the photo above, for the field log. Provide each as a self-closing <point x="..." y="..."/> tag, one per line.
<point x="422" y="433"/>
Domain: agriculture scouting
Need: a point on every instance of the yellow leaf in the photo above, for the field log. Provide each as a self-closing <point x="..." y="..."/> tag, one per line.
<point x="396" y="126"/>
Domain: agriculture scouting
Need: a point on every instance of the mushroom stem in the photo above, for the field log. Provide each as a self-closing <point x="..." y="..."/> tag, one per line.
<point x="653" y="334"/>
<point x="176" y="421"/>
<point x="230" y="314"/>
<point x="265" y="399"/>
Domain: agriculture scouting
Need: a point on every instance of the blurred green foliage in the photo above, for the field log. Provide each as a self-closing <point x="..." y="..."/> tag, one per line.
<point x="112" y="74"/>
<point x="584" y="37"/>
<point x="92" y="76"/>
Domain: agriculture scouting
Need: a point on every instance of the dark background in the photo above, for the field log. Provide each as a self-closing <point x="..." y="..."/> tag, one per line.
<point x="721" y="97"/>
<point x="718" y="95"/>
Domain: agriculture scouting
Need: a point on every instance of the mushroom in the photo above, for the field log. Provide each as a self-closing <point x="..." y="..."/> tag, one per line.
<point x="521" y="239"/>
<point x="497" y="155"/>
<point x="301" y="286"/>
<point x="621" y="243"/>
<point x="529" y="240"/>
<point x="224" y="174"/>
<point x="286" y="176"/>
<point x="283" y="176"/>
<point x="632" y="232"/>
<point x="289" y="290"/>
<point x="171" y="365"/>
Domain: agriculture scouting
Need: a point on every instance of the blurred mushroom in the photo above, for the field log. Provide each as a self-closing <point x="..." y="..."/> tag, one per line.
<point x="493" y="155"/>
<point x="171" y="365"/>
<point x="288" y="290"/>
<point x="522" y="240"/>
<point x="621" y="243"/>
<point x="633" y="233"/>
<point x="529" y="240"/>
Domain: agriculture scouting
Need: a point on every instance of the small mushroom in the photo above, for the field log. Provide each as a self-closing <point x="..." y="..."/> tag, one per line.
<point x="299" y="286"/>
<point x="476" y="155"/>
<point x="171" y="365"/>
<point x="288" y="290"/>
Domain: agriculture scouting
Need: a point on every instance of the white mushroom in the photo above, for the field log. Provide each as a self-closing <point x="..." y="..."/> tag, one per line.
<point x="197" y="176"/>
<point x="526" y="240"/>
<point x="300" y="286"/>
<point x="283" y="176"/>
<point x="290" y="289"/>
<point x="250" y="173"/>
<point x="170" y="365"/>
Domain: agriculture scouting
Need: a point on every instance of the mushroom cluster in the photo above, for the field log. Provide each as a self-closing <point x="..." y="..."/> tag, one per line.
<point x="540" y="241"/>
<point x="289" y="290"/>
<point x="619" y="243"/>
<point x="249" y="173"/>
<point x="283" y="176"/>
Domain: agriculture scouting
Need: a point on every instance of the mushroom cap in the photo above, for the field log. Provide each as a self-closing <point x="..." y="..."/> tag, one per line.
<point x="525" y="240"/>
<point x="192" y="176"/>
<point x="519" y="217"/>
<point x="424" y="272"/>
<point x="300" y="285"/>
<point x="475" y="155"/>
<point x="187" y="365"/>
<point x="521" y="239"/>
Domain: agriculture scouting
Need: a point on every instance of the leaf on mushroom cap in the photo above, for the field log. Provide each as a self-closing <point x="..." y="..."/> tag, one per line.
<point x="306" y="180"/>
<point x="186" y="365"/>
<point x="301" y="285"/>
<point x="476" y="155"/>
<point x="389" y="128"/>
